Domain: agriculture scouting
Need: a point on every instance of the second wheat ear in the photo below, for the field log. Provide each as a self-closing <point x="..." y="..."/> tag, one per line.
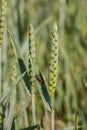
<point x="32" y="54"/>
<point x="2" y="19"/>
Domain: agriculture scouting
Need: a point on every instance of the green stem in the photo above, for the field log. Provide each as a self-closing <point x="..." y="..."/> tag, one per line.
<point x="52" y="116"/>
<point x="0" y="70"/>
<point x="46" y="119"/>
<point x="12" y="108"/>
<point x="1" y="122"/>
<point x="25" y="112"/>
<point x="26" y="118"/>
<point x="33" y="108"/>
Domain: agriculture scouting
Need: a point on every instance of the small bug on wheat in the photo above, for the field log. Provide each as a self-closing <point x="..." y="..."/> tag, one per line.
<point x="39" y="78"/>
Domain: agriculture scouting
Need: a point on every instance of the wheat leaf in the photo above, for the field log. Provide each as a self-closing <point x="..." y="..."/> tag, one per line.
<point x="20" y="62"/>
<point x="26" y="77"/>
<point x="43" y="91"/>
<point x="4" y="95"/>
<point x="30" y="128"/>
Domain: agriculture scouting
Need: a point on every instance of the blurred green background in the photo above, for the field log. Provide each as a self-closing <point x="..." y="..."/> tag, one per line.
<point x="71" y="18"/>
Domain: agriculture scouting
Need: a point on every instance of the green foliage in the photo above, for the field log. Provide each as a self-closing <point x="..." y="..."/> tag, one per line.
<point x="71" y="91"/>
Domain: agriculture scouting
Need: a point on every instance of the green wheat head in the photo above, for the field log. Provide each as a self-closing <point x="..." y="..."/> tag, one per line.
<point x="2" y="19"/>
<point x="13" y="89"/>
<point x="32" y="54"/>
<point x="12" y="98"/>
<point x="53" y="67"/>
<point x="13" y="75"/>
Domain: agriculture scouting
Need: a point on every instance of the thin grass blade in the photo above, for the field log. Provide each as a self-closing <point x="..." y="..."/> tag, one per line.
<point x="4" y="95"/>
<point x="13" y="125"/>
<point x="31" y="127"/>
<point x="23" y="108"/>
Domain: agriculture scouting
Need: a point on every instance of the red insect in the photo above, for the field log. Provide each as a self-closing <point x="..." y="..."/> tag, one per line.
<point x="39" y="78"/>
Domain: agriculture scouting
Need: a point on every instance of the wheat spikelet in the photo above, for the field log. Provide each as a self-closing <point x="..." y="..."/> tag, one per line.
<point x="14" y="75"/>
<point x="2" y="19"/>
<point x="53" y="67"/>
<point x="32" y="54"/>
<point x="12" y="98"/>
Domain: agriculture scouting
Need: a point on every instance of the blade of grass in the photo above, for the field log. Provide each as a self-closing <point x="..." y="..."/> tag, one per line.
<point x="31" y="127"/>
<point x="6" y="93"/>
<point x="23" y="108"/>
<point x="0" y="70"/>
<point x="26" y="77"/>
<point x="12" y="107"/>
<point x="13" y="125"/>
<point x="76" y="121"/>
<point x="20" y="62"/>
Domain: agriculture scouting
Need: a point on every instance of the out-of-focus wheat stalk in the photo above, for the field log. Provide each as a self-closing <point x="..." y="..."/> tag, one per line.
<point x="32" y="54"/>
<point x="2" y="19"/>
<point x="0" y="70"/>
<point x="12" y="99"/>
<point x="2" y="23"/>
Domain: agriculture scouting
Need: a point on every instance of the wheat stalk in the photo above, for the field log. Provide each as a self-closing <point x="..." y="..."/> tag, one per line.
<point x="32" y="54"/>
<point x="12" y="98"/>
<point x="2" y="19"/>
